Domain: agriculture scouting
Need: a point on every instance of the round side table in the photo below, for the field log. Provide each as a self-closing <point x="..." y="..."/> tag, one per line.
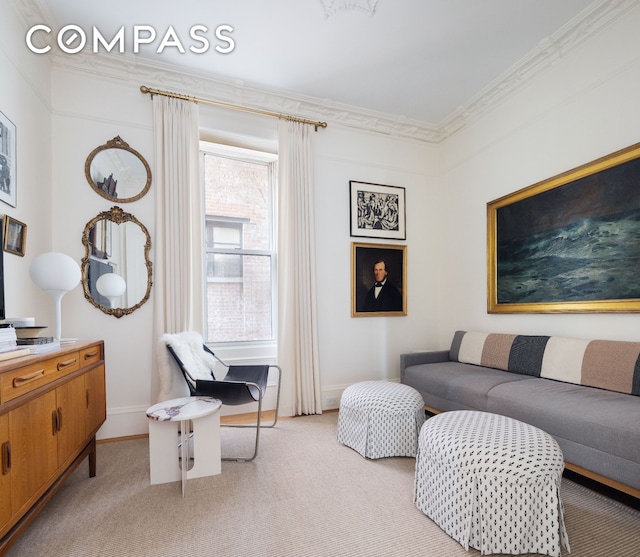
<point x="164" y="418"/>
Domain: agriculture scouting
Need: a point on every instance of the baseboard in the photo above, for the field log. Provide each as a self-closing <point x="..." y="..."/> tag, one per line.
<point x="130" y="421"/>
<point x="331" y="394"/>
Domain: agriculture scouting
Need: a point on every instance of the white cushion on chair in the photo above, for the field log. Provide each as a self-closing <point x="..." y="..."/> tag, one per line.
<point x="188" y="346"/>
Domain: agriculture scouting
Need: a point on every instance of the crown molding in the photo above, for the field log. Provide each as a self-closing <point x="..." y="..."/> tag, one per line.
<point x="164" y="76"/>
<point x="549" y="51"/>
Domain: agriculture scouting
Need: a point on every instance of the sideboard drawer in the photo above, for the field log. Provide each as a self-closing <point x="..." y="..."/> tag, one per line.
<point x="21" y="381"/>
<point x="90" y="355"/>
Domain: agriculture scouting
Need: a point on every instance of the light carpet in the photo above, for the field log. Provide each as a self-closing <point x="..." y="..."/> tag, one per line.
<point x="305" y="495"/>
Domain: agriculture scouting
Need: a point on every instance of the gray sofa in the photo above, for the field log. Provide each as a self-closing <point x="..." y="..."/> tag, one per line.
<point x="585" y="393"/>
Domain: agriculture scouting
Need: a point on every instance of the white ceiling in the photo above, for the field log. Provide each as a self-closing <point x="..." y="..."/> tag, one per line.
<point x="419" y="59"/>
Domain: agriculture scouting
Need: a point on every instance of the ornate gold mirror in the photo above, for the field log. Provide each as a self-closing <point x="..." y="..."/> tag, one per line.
<point x="118" y="172"/>
<point x="116" y="271"/>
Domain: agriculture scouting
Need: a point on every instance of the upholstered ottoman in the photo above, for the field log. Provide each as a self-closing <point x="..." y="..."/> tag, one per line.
<point x="492" y="483"/>
<point x="380" y="419"/>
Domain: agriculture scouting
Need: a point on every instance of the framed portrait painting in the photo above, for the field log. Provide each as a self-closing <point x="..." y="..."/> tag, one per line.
<point x="378" y="280"/>
<point x="569" y="244"/>
<point x="377" y="211"/>
<point x="8" y="148"/>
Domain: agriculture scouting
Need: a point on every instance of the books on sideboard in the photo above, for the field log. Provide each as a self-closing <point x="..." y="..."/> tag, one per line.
<point x="14" y="345"/>
<point x="44" y="348"/>
<point x="8" y="344"/>
<point x="18" y="353"/>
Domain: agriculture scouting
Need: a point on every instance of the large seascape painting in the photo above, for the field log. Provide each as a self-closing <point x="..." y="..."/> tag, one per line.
<point x="571" y="243"/>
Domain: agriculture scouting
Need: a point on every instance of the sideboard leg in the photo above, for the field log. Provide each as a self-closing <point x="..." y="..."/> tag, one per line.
<point x="92" y="458"/>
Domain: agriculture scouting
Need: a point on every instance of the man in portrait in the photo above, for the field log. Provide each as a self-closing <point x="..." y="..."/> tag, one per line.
<point x="383" y="295"/>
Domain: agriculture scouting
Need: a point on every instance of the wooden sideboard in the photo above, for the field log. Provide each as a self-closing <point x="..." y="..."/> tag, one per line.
<point x="51" y="407"/>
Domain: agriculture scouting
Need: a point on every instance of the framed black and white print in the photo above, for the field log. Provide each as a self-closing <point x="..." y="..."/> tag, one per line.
<point x="377" y="211"/>
<point x="7" y="161"/>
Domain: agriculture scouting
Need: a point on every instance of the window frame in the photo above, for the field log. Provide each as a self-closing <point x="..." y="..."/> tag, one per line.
<point x="239" y="224"/>
<point x="250" y="349"/>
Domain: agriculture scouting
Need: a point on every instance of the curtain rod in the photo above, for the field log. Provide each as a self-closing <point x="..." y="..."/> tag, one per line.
<point x="147" y="90"/>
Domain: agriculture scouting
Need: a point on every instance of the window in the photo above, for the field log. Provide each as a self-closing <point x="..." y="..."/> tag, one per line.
<point x="240" y="262"/>
<point x="223" y="242"/>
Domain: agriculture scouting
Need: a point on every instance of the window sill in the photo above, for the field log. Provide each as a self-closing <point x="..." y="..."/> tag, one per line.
<point x="246" y="353"/>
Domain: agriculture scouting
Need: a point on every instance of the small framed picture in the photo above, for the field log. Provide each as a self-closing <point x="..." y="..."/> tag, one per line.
<point x="15" y="236"/>
<point x="7" y="161"/>
<point x="378" y="280"/>
<point x="377" y="211"/>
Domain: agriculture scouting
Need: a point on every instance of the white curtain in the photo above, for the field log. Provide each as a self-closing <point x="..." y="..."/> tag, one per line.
<point x="297" y="316"/>
<point x="178" y="244"/>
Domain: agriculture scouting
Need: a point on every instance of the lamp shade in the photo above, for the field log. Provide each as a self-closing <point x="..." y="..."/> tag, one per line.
<point x="111" y="285"/>
<point x="54" y="271"/>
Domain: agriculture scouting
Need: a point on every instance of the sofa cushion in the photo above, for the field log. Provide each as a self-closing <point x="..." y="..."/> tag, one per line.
<point x="516" y="353"/>
<point x="596" y="418"/>
<point x="563" y="359"/>
<point x="606" y="364"/>
<point x="451" y="381"/>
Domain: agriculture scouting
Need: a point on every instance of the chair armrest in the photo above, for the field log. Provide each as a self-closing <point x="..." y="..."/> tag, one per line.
<point x="417" y="358"/>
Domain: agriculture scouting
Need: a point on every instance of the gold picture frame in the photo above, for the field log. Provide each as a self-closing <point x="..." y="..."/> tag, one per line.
<point x="569" y="244"/>
<point x="389" y="298"/>
<point x="15" y="236"/>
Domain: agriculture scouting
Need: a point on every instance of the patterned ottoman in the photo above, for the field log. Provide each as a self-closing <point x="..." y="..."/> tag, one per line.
<point x="380" y="419"/>
<point x="492" y="483"/>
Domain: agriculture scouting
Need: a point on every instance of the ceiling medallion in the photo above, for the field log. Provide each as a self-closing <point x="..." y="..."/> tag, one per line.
<point x="333" y="6"/>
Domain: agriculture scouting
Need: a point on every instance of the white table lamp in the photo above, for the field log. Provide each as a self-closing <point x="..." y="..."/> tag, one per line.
<point x="112" y="286"/>
<point x="57" y="274"/>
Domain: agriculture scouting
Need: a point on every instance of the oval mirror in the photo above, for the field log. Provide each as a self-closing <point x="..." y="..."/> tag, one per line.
<point x="116" y="271"/>
<point x="118" y="172"/>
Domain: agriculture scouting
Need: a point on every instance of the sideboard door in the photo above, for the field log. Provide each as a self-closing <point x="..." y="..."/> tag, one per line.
<point x="5" y="473"/>
<point x="71" y="408"/>
<point x="96" y="399"/>
<point x="34" y="450"/>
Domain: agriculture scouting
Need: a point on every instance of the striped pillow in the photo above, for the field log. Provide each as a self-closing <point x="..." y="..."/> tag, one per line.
<point x="606" y="364"/>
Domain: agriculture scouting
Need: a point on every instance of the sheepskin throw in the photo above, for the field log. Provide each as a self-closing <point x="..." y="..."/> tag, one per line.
<point x="188" y="347"/>
<point x="607" y="364"/>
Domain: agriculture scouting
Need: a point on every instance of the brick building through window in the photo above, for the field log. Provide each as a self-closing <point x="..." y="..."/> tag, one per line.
<point x="240" y="264"/>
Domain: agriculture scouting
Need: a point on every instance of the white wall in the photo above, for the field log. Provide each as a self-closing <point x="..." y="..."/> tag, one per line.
<point x="25" y="100"/>
<point x="355" y="349"/>
<point x="583" y="107"/>
<point x="88" y="111"/>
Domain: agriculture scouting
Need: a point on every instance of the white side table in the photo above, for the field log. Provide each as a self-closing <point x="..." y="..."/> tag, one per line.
<point x="165" y="466"/>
